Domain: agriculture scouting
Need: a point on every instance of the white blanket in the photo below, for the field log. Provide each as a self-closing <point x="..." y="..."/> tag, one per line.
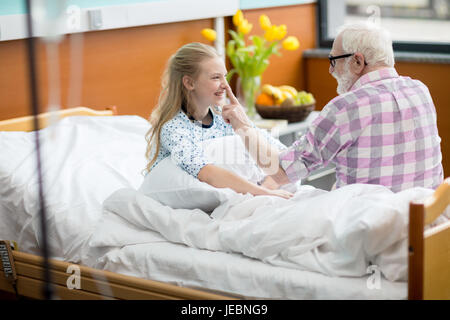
<point x="337" y="233"/>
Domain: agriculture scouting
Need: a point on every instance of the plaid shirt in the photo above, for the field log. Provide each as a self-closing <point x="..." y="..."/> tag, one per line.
<point x="383" y="131"/>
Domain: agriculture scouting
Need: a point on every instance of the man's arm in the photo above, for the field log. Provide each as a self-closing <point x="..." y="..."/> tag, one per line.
<point x="262" y="151"/>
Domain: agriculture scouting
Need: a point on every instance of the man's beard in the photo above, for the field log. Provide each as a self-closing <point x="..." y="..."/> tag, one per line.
<point x="345" y="81"/>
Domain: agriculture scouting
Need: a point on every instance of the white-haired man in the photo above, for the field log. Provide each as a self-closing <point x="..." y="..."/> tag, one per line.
<point x="380" y="129"/>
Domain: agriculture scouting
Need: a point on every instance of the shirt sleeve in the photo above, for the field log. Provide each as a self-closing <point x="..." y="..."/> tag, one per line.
<point x="275" y="142"/>
<point x="184" y="150"/>
<point x="316" y="148"/>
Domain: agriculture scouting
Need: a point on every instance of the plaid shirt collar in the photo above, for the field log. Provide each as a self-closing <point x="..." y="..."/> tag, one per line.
<point x="373" y="76"/>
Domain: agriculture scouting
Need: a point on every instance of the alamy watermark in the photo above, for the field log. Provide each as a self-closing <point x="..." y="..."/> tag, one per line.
<point x="373" y="282"/>
<point x="73" y="18"/>
<point x="74" y="280"/>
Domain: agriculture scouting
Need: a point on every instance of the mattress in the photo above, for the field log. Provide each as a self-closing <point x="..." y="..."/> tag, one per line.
<point x="240" y="275"/>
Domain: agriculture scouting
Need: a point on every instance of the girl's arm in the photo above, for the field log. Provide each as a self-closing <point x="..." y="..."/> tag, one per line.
<point x="221" y="178"/>
<point x="187" y="153"/>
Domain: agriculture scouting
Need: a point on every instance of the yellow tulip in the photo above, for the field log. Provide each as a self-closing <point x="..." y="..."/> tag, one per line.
<point x="280" y="32"/>
<point x="238" y="18"/>
<point x="264" y="22"/>
<point x="245" y="27"/>
<point x="291" y="43"/>
<point x="270" y="33"/>
<point x="209" y="34"/>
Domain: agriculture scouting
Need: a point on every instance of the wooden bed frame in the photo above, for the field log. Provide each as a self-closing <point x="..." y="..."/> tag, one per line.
<point x="428" y="265"/>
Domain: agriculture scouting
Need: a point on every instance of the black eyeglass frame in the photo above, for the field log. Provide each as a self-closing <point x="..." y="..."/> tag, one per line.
<point x="334" y="58"/>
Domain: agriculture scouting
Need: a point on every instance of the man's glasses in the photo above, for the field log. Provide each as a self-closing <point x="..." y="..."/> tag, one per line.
<point x="334" y="58"/>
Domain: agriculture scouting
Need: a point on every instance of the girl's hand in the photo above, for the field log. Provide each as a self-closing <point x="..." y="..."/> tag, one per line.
<point x="280" y="193"/>
<point x="233" y="113"/>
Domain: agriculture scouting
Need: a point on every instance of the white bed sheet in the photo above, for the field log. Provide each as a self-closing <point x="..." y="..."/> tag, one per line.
<point x="236" y="274"/>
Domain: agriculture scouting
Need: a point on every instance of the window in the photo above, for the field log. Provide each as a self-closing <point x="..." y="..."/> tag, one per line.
<point x="415" y="25"/>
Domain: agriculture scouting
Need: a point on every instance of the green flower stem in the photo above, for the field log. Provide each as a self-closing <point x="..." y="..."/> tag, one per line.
<point x="249" y="62"/>
<point x="250" y="86"/>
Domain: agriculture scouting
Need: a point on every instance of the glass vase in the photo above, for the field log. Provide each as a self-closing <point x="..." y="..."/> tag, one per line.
<point x="249" y="87"/>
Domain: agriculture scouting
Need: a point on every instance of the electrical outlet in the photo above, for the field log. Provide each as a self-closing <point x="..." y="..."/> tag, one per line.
<point x="95" y="19"/>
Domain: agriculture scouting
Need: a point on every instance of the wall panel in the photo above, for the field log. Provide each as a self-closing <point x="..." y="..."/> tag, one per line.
<point x="121" y="67"/>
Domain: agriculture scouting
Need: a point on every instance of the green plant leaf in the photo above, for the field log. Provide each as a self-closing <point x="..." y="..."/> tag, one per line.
<point x="231" y="48"/>
<point x="247" y="49"/>
<point x="258" y="42"/>
<point x="238" y="37"/>
<point x="262" y="66"/>
<point x="230" y="74"/>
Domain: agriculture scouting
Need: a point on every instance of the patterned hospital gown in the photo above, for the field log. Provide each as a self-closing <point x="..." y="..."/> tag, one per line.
<point x="181" y="139"/>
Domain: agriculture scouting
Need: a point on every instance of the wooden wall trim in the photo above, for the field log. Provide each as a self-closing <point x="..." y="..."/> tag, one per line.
<point x="123" y="67"/>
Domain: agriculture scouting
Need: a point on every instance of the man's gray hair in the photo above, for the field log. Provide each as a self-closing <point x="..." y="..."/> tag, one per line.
<point x="371" y="40"/>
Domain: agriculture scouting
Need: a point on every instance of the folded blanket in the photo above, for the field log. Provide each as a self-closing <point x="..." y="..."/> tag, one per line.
<point x="337" y="233"/>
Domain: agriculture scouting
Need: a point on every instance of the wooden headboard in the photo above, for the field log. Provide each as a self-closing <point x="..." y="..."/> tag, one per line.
<point x="27" y="123"/>
<point x="429" y="250"/>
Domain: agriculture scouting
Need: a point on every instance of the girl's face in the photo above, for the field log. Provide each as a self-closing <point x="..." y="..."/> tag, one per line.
<point x="208" y="89"/>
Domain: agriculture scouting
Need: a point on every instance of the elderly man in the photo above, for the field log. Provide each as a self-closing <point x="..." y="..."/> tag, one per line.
<point x="380" y="129"/>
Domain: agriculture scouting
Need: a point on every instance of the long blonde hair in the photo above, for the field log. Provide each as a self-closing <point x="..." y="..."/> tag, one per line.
<point x="186" y="61"/>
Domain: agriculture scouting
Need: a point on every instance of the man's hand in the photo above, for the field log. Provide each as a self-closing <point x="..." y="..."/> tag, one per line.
<point x="269" y="183"/>
<point x="280" y="177"/>
<point x="234" y="114"/>
<point x="276" y="180"/>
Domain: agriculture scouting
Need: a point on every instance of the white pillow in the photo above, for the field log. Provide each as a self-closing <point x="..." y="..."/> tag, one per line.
<point x="174" y="187"/>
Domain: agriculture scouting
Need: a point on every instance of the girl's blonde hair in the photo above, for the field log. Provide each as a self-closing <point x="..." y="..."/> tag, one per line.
<point x="186" y="61"/>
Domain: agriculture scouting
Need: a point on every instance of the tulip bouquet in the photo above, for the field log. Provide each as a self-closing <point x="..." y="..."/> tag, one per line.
<point x="251" y="60"/>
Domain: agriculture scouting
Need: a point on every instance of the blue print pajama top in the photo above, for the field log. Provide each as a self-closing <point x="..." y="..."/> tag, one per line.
<point x="181" y="139"/>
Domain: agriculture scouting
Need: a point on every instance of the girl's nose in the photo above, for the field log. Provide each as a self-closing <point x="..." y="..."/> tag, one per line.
<point x="223" y="84"/>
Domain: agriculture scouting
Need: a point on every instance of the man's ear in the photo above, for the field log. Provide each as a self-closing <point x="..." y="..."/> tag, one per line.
<point x="358" y="63"/>
<point x="188" y="82"/>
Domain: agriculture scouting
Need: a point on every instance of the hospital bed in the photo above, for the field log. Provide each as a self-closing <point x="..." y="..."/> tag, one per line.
<point x="167" y="270"/>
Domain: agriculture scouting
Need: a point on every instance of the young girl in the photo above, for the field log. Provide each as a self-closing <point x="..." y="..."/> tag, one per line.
<point x="193" y="82"/>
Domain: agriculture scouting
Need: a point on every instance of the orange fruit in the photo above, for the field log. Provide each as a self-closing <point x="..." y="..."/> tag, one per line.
<point x="265" y="100"/>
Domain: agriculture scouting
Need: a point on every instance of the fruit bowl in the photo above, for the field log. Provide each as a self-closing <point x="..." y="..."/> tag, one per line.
<point x="290" y="113"/>
<point x="284" y="102"/>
